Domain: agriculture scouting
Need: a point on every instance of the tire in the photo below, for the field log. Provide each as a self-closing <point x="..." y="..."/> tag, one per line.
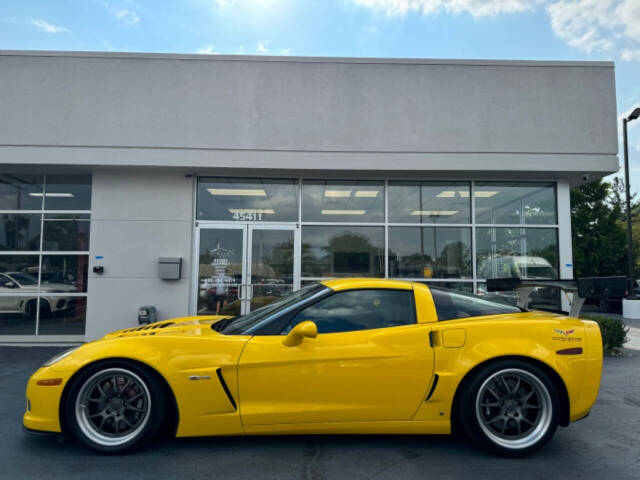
<point x="45" y="309"/>
<point x="511" y="422"/>
<point x="31" y="309"/>
<point x="115" y="420"/>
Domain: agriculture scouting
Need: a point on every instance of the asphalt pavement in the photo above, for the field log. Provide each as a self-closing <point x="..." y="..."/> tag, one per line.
<point x="604" y="445"/>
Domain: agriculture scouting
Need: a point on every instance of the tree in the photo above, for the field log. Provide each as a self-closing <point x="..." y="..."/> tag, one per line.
<point x="597" y="221"/>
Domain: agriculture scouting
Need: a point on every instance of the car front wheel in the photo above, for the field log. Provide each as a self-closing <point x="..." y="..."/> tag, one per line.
<point x="115" y="406"/>
<point x="510" y="407"/>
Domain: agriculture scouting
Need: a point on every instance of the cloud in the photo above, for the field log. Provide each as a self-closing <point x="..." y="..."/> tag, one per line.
<point x="208" y="50"/>
<point x="47" y="27"/>
<point x="582" y="23"/>
<point x="261" y="47"/>
<point x="629" y="55"/>
<point x="223" y="4"/>
<point x="587" y="25"/>
<point x="476" y="8"/>
<point x="285" y="51"/>
<point x="128" y="16"/>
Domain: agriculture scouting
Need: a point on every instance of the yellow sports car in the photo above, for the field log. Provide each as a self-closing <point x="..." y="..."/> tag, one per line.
<point x="342" y="356"/>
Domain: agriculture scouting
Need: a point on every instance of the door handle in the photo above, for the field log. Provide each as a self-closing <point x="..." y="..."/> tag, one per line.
<point x="239" y="292"/>
<point x="249" y="292"/>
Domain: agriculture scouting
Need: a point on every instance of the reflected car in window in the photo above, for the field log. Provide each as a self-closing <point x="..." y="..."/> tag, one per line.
<point x="342" y="356"/>
<point x="21" y="283"/>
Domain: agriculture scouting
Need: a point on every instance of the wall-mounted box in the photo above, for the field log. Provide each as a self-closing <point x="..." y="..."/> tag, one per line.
<point x="170" y="268"/>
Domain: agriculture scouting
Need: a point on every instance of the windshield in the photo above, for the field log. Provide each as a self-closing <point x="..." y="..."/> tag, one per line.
<point x="24" y="278"/>
<point x="242" y="325"/>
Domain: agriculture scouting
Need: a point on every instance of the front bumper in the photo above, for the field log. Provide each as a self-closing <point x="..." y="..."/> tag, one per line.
<point x="43" y="402"/>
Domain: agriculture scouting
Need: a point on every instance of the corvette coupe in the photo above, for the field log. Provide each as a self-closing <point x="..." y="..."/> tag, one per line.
<point x="360" y="356"/>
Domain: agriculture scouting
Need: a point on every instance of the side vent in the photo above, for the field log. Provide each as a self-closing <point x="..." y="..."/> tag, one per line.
<point x="433" y="387"/>
<point x="226" y="389"/>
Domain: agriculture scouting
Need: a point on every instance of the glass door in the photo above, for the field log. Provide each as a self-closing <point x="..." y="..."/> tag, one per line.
<point x="271" y="262"/>
<point x="221" y="269"/>
<point x="243" y="267"/>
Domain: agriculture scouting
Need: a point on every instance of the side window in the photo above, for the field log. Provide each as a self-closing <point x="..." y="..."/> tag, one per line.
<point x="451" y="305"/>
<point x="359" y="310"/>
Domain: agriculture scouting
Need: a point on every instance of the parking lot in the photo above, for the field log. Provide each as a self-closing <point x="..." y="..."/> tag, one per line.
<point x="605" y="445"/>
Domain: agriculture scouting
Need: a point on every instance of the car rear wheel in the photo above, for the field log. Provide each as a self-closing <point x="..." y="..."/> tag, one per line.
<point x="115" y="406"/>
<point x="510" y="407"/>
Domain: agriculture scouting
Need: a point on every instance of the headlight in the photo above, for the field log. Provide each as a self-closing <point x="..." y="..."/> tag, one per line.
<point x="59" y="357"/>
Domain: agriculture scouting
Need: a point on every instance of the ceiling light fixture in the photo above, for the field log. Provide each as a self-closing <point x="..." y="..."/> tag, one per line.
<point x="266" y="211"/>
<point x="485" y="193"/>
<point x="337" y="193"/>
<point x="53" y="194"/>
<point x="244" y="192"/>
<point x="435" y="213"/>
<point x="367" y="193"/>
<point x="343" y="212"/>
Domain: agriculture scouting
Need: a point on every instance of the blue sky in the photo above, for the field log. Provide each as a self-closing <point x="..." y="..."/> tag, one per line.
<point x="493" y="29"/>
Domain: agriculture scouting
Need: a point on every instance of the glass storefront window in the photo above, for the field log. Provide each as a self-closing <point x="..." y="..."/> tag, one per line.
<point x="64" y="273"/>
<point x="515" y="203"/>
<point x="43" y="293"/>
<point x="62" y="232"/>
<point x="67" y="192"/>
<point x="19" y="231"/>
<point x="342" y="201"/>
<point x="62" y="315"/>
<point x="465" y="287"/>
<point x="541" y="298"/>
<point x="429" y="202"/>
<point x="430" y="252"/>
<point x="337" y="251"/>
<point x="21" y="192"/>
<point x="517" y="252"/>
<point x="247" y="200"/>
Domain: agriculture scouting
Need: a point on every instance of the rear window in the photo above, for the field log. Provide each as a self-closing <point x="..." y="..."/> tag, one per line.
<point x="451" y="305"/>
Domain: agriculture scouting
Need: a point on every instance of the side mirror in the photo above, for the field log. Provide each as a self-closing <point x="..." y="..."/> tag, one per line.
<point x="299" y="332"/>
<point x="10" y="284"/>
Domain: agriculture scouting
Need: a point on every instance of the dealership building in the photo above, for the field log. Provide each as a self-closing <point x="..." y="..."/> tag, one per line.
<point x="199" y="184"/>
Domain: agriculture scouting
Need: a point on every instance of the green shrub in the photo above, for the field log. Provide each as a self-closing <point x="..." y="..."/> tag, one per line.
<point x="614" y="333"/>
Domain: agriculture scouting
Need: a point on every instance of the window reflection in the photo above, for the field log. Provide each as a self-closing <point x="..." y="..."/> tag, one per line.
<point x="247" y="200"/>
<point x="464" y="287"/>
<point x="21" y="192"/>
<point x="430" y="252"/>
<point x="332" y="251"/>
<point x="66" y="232"/>
<point x="219" y="271"/>
<point x="62" y="315"/>
<point x="19" y="231"/>
<point x="517" y="252"/>
<point x="515" y="203"/>
<point x="343" y="201"/>
<point x="542" y="298"/>
<point x="429" y="202"/>
<point x="68" y="192"/>
<point x="64" y="273"/>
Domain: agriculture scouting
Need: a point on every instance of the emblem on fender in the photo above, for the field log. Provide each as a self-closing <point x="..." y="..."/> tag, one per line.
<point x="564" y="332"/>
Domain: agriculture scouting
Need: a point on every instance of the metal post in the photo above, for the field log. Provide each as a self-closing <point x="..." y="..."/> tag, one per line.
<point x="631" y="295"/>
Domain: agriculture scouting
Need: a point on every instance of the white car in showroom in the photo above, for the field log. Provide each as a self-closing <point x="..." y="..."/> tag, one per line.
<point x="21" y="282"/>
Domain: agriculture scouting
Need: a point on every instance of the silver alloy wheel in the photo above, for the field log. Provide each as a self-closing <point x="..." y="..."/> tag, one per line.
<point x="113" y="407"/>
<point x="514" y="408"/>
